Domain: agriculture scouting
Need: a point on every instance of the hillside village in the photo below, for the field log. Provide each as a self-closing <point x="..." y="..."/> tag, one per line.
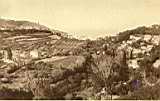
<point x="39" y="63"/>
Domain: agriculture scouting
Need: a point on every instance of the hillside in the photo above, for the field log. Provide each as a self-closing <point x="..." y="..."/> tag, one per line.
<point x="26" y="36"/>
<point x="142" y="53"/>
<point x="24" y="45"/>
<point x="37" y="62"/>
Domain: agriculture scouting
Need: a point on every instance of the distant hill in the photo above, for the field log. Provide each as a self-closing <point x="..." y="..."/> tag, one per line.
<point x="12" y="24"/>
<point x="27" y="36"/>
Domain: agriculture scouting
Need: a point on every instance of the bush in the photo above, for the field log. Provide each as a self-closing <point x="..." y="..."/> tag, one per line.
<point x="144" y="93"/>
<point x="14" y="94"/>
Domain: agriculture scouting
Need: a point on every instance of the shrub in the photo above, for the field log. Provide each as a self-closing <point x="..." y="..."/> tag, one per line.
<point x="14" y="94"/>
<point x="144" y="93"/>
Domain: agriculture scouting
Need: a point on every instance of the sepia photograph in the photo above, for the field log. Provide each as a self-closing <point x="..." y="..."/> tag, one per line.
<point x="79" y="49"/>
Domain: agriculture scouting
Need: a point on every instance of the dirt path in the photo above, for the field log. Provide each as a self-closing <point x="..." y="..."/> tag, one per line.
<point x="52" y="59"/>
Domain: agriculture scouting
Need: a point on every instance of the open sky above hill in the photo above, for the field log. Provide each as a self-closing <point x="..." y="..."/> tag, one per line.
<point x="90" y="18"/>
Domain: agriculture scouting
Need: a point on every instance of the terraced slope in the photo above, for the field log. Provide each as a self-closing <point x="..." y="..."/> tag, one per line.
<point x="25" y="36"/>
<point x="25" y="47"/>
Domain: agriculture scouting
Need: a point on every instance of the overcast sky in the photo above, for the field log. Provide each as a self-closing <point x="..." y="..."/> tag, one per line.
<point x="91" y="18"/>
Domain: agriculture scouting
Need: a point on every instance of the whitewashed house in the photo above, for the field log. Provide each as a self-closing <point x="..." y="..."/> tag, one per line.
<point x="34" y="53"/>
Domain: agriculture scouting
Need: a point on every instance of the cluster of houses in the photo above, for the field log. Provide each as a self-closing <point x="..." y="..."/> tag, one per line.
<point x="134" y="54"/>
<point x="146" y="43"/>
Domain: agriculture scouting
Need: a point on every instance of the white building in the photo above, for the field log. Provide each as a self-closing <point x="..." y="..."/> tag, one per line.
<point x="34" y="53"/>
<point x="156" y="64"/>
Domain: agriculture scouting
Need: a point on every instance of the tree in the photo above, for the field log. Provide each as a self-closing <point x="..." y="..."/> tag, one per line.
<point x="40" y="84"/>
